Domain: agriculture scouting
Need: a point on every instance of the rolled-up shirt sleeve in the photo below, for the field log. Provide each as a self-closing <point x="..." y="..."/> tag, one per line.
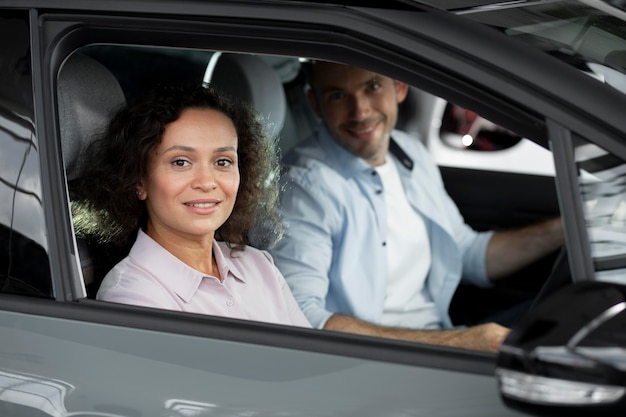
<point x="473" y="247"/>
<point x="471" y="243"/>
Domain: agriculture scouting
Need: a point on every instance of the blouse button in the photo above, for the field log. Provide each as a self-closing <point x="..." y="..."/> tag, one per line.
<point x="230" y="303"/>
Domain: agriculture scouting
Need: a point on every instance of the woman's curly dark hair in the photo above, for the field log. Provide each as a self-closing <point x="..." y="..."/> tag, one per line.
<point x="105" y="204"/>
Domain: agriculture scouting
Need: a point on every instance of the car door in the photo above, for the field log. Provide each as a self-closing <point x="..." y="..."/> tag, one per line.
<point x="66" y="354"/>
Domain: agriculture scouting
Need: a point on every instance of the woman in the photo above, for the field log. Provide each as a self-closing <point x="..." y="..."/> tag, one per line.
<point x="190" y="174"/>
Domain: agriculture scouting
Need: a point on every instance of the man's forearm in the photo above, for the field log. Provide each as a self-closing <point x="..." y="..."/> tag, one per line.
<point x="509" y="251"/>
<point x="487" y="337"/>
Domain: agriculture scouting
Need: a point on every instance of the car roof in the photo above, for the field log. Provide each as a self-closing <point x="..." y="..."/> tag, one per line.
<point x="453" y="5"/>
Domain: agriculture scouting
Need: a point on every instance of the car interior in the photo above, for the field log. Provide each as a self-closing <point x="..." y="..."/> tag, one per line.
<point x="89" y="93"/>
<point x="98" y="79"/>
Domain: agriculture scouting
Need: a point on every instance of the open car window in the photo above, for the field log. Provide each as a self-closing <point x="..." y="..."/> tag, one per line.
<point x="488" y="196"/>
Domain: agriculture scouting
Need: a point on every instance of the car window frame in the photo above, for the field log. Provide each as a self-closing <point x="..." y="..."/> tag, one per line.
<point x="71" y="302"/>
<point x="577" y="239"/>
<point x="67" y="33"/>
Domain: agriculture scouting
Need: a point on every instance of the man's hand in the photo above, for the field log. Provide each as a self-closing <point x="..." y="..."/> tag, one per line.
<point x="486" y="337"/>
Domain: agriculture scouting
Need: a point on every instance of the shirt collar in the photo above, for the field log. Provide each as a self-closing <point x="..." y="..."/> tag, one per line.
<point x="401" y="156"/>
<point x="346" y="164"/>
<point x="223" y="258"/>
<point x="174" y="273"/>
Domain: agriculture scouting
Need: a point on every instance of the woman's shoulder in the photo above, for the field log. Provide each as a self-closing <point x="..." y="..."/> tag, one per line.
<point x="129" y="284"/>
<point x="249" y="260"/>
<point x="246" y="253"/>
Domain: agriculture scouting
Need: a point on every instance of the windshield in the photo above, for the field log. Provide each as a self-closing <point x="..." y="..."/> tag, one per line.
<point x="587" y="34"/>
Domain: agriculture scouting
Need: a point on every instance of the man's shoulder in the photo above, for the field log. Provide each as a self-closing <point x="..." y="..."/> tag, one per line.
<point x="309" y="159"/>
<point x="311" y="174"/>
<point x="308" y="151"/>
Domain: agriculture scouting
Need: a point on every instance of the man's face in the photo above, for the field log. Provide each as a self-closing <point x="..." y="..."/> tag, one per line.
<point x="359" y="107"/>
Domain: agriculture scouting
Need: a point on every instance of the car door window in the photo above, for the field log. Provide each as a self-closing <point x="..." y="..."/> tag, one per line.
<point x="459" y="137"/>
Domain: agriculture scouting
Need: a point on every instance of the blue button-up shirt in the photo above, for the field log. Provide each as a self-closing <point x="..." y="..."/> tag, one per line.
<point x="333" y="255"/>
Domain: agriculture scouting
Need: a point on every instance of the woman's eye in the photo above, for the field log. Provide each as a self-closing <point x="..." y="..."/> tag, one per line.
<point x="180" y="163"/>
<point x="224" y="162"/>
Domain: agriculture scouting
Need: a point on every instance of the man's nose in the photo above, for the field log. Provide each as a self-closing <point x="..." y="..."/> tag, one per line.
<point x="360" y="107"/>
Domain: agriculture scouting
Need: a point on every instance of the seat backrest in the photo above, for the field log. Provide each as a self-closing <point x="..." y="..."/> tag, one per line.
<point x="252" y="80"/>
<point x="88" y="95"/>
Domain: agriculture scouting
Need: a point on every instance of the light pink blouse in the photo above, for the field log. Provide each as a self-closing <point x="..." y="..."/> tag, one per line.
<point x="252" y="287"/>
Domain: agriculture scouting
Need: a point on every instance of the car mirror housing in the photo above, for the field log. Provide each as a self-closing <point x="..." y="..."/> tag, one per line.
<point x="567" y="356"/>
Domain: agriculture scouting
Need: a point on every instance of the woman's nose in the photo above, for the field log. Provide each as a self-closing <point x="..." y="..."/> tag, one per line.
<point x="204" y="179"/>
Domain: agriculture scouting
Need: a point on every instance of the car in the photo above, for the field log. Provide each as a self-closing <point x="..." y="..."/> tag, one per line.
<point x="540" y="82"/>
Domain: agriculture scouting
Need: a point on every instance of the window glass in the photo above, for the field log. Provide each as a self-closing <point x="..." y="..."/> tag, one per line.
<point x="24" y="267"/>
<point x="464" y="129"/>
<point x="603" y="188"/>
<point x="589" y="37"/>
<point x="458" y="137"/>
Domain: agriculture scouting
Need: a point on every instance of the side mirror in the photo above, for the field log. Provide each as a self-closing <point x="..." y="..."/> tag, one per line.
<point x="567" y="356"/>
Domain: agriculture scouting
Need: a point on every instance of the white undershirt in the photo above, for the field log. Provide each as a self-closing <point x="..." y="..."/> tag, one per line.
<point x="407" y="302"/>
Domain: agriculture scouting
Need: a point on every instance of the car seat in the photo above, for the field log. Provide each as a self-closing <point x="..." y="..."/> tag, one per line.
<point x="253" y="81"/>
<point x="88" y="95"/>
<point x="272" y="85"/>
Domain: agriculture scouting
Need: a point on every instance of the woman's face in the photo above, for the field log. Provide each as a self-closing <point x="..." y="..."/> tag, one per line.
<point x="193" y="177"/>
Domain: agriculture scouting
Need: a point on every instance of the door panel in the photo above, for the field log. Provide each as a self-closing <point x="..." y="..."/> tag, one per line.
<point x="122" y="371"/>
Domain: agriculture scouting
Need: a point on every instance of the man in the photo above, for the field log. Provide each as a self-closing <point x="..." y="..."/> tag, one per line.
<point x="374" y="245"/>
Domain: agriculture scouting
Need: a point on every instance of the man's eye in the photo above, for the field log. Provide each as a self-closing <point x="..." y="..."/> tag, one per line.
<point x="335" y="96"/>
<point x="374" y="86"/>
